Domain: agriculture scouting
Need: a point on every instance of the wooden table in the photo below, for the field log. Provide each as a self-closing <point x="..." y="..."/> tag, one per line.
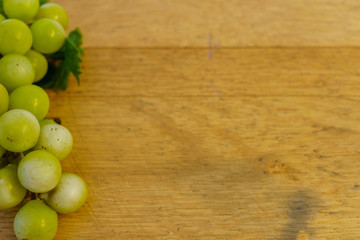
<point x="214" y="120"/>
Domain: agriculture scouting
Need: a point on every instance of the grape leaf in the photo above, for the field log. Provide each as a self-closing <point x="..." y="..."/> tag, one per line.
<point x="43" y="2"/>
<point x="63" y="63"/>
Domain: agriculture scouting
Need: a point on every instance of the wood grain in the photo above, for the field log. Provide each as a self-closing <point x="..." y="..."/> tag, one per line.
<point x="236" y="23"/>
<point x="206" y="120"/>
<point x="168" y="158"/>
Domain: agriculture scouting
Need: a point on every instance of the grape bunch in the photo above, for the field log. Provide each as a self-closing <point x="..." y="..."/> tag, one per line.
<point x="35" y="53"/>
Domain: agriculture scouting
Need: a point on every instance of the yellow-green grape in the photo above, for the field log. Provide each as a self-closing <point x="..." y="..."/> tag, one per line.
<point x="55" y="139"/>
<point x="16" y="70"/>
<point x="15" y="37"/>
<point x="4" y="100"/>
<point x="48" y="35"/>
<point x="24" y="10"/>
<point x="39" y="64"/>
<point x="44" y="122"/>
<point x="2" y="18"/>
<point x="36" y="221"/>
<point x="54" y="11"/>
<point x="19" y="130"/>
<point x="11" y="191"/>
<point x="69" y="195"/>
<point x="39" y="171"/>
<point x="31" y="98"/>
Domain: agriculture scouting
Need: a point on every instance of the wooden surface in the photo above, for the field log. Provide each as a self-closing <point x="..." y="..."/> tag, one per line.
<point x="252" y="131"/>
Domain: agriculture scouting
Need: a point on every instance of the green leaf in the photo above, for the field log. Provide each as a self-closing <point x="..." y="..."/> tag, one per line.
<point x="1" y="8"/>
<point x="63" y="63"/>
<point x="43" y="2"/>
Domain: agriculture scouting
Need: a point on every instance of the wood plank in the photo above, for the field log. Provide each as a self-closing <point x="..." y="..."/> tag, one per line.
<point x="188" y="23"/>
<point x="174" y="162"/>
<point x="228" y="72"/>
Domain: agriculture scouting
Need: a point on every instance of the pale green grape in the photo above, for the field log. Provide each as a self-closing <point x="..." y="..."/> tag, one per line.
<point x="11" y="191"/>
<point x="2" y="18"/>
<point x="48" y="35"/>
<point x="39" y="64"/>
<point x="31" y="98"/>
<point x="55" y="139"/>
<point x="69" y="195"/>
<point x="15" y="71"/>
<point x="15" y="37"/>
<point x="44" y="122"/>
<point x="36" y="221"/>
<point x="39" y="171"/>
<point x="24" y="10"/>
<point x="19" y="130"/>
<point x="54" y="11"/>
<point x="4" y="100"/>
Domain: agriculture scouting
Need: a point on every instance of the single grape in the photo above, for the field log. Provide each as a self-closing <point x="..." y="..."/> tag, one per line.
<point x="15" y="71"/>
<point x="11" y="191"/>
<point x="19" y="130"/>
<point x="35" y="220"/>
<point x="39" y="64"/>
<point x="15" y="37"/>
<point x="54" y="11"/>
<point x="55" y="139"/>
<point x="69" y="195"/>
<point x="24" y="10"/>
<point x="31" y="98"/>
<point x="2" y="18"/>
<point x="48" y="35"/>
<point x="4" y="100"/>
<point x="39" y="171"/>
<point x="44" y="122"/>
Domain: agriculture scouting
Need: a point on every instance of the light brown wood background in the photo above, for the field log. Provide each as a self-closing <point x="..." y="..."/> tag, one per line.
<point x="214" y="120"/>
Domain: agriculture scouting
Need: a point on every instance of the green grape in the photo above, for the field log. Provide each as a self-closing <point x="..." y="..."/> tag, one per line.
<point x="54" y="11"/>
<point x="2" y="18"/>
<point x="39" y="64"/>
<point x="69" y="195"/>
<point x="44" y="122"/>
<point x="48" y="35"/>
<point x="31" y="98"/>
<point x="39" y="171"/>
<point x="19" y="130"/>
<point x="4" y="100"/>
<point x="15" y="37"/>
<point x="15" y="71"/>
<point x="36" y="221"/>
<point x="55" y="139"/>
<point x="24" y="10"/>
<point x="11" y="191"/>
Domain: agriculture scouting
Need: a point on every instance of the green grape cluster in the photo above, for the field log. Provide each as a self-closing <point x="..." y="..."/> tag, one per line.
<point x="31" y="146"/>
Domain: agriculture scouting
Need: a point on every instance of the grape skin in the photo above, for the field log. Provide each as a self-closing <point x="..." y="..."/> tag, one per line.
<point x="19" y="130"/>
<point x="35" y="220"/>
<point x="54" y="11"/>
<point x="55" y="139"/>
<point x="4" y="100"/>
<point x="16" y="70"/>
<point x="48" y="35"/>
<point x="39" y="64"/>
<point x="39" y="171"/>
<point x="69" y="195"/>
<point x="31" y="98"/>
<point x="24" y="10"/>
<point x="15" y="37"/>
<point x="11" y="191"/>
